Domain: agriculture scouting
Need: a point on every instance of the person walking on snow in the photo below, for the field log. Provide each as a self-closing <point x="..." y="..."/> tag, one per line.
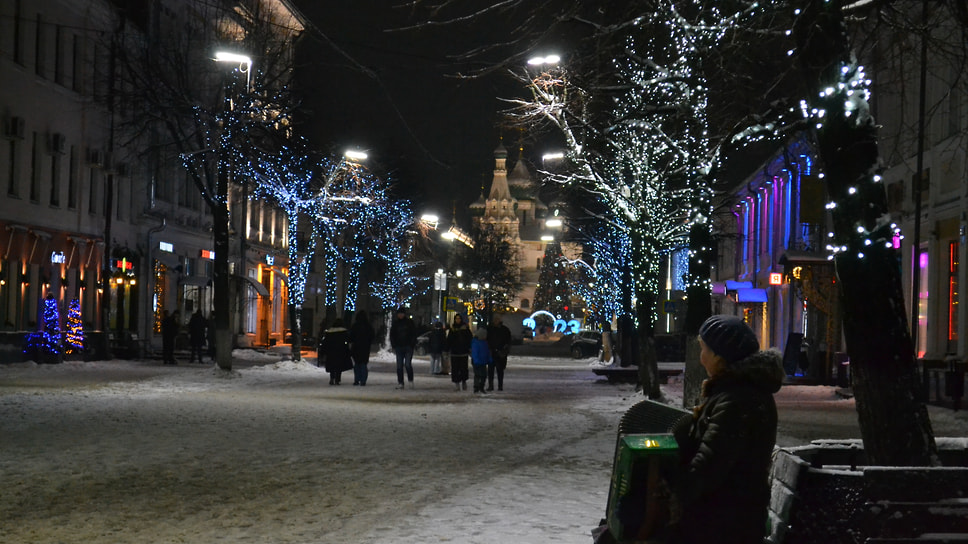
<point x="197" y="327"/>
<point x="499" y="340"/>
<point x="435" y="346"/>
<point x="459" y="346"/>
<point x="480" y="358"/>
<point x="334" y="347"/>
<point x="726" y="444"/>
<point x="361" y="338"/>
<point x="403" y="338"/>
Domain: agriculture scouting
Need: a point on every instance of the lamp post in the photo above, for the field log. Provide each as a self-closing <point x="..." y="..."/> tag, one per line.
<point x="245" y="66"/>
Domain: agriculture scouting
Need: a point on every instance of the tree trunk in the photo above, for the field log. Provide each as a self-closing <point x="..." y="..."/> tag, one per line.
<point x="220" y="270"/>
<point x="295" y="327"/>
<point x="699" y="309"/>
<point x="893" y="420"/>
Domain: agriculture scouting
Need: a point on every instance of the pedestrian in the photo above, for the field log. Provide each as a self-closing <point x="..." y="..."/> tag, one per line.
<point x="435" y="347"/>
<point x="499" y="340"/>
<point x="480" y="358"/>
<point x="361" y="338"/>
<point x="459" y="346"/>
<point x="403" y="338"/>
<point x="197" y="328"/>
<point x="726" y="444"/>
<point x="334" y="346"/>
<point x="169" y="331"/>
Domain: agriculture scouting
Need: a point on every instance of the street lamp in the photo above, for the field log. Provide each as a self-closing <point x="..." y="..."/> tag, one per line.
<point x="355" y="156"/>
<point x="245" y="66"/>
<point x="547" y="59"/>
<point x="243" y="60"/>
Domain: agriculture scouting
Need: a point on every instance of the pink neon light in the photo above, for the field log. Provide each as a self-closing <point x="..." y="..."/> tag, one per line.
<point x="897" y="241"/>
<point x="923" y="261"/>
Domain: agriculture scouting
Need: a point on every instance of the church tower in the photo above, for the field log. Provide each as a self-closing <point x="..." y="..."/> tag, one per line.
<point x="499" y="209"/>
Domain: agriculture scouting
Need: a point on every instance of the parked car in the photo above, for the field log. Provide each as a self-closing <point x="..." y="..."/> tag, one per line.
<point x="308" y="341"/>
<point x="586" y="344"/>
<point x="423" y="344"/>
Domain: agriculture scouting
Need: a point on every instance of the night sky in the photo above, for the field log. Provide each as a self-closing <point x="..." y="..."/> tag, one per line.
<point x="431" y="133"/>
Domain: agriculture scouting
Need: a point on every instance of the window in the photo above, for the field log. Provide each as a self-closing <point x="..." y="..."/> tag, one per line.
<point x="18" y="33"/>
<point x="92" y="191"/>
<point x="34" y="169"/>
<point x="12" y="168"/>
<point x="40" y="48"/>
<point x="953" y="249"/>
<point x="72" y="180"/>
<point x="58" y="61"/>
<point x="54" y="181"/>
<point x="76" y="63"/>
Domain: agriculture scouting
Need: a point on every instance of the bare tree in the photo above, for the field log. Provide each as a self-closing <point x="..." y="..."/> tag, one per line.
<point x="190" y="113"/>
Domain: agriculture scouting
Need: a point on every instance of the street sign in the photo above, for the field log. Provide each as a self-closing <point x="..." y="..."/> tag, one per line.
<point x="451" y="304"/>
<point x="669" y="307"/>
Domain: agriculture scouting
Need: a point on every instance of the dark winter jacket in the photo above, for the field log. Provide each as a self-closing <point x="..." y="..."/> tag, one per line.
<point x="361" y="338"/>
<point x="437" y="341"/>
<point x="197" y="327"/>
<point x="459" y="340"/>
<point x="499" y="340"/>
<point x="403" y="333"/>
<point x="726" y="448"/>
<point x="334" y="346"/>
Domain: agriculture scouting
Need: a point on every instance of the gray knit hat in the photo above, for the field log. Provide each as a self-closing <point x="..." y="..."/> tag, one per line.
<point x="729" y="337"/>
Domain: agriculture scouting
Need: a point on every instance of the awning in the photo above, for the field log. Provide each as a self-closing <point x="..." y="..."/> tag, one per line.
<point x="259" y="288"/>
<point x="194" y="280"/>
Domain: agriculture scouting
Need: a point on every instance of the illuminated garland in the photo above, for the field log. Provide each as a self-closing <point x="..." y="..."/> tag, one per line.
<point x="74" y="335"/>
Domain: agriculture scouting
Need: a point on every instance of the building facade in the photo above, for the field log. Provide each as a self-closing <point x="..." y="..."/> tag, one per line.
<point x="91" y="211"/>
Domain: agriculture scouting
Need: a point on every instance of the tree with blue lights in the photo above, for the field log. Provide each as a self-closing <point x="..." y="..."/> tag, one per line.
<point x="45" y="346"/>
<point x="178" y="102"/>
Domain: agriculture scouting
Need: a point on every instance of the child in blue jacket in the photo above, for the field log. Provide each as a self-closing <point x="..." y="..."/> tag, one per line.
<point x="480" y="358"/>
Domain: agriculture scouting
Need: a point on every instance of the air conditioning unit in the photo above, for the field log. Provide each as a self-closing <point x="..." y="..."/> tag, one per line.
<point x="95" y="158"/>
<point x="13" y="128"/>
<point x="57" y="143"/>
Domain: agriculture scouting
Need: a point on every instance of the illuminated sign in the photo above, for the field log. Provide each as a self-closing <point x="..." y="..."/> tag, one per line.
<point x="560" y="325"/>
<point x="270" y="260"/>
<point x="165" y="246"/>
<point x="776" y="278"/>
<point x="57" y="257"/>
<point x="797" y="272"/>
<point x="206" y="254"/>
<point x="123" y="264"/>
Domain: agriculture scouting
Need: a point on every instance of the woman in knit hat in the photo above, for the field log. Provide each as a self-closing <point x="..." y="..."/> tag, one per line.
<point x="726" y="445"/>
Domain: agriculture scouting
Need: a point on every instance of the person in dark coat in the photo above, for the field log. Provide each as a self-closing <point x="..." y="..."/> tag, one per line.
<point x="459" y="346"/>
<point x="499" y="340"/>
<point x="403" y="338"/>
<point x="726" y="444"/>
<point x="335" y="347"/>
<point x="480" y="358"/>
<point x="169" y="331"/>
<point x="435" y="347"/>
<point x="197" y="328"/>
<point x="361" y="338"/>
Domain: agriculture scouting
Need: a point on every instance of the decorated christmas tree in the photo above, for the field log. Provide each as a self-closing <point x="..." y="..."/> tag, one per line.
<point x="74" y="335"/>
<point x="553" y="293"/>
<point x="44" y="346"/>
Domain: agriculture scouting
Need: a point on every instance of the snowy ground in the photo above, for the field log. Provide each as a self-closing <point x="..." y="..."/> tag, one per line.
<point x="132" y="451"/>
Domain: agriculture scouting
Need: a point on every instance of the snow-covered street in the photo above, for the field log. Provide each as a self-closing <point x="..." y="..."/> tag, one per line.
<point x="132" y="451"/>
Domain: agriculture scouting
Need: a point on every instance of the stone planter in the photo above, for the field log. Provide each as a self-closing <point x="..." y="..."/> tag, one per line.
<point x="824" y="492"/>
